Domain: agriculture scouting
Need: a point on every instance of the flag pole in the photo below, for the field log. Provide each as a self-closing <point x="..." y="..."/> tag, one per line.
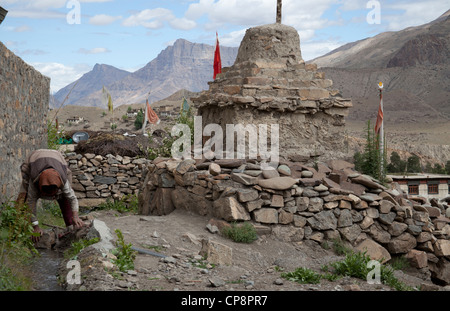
<point x="145" y="116"/>
<point x="381" y="135"/>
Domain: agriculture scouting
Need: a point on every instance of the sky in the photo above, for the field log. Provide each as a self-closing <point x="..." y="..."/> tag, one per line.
<point x="64" y="39"/>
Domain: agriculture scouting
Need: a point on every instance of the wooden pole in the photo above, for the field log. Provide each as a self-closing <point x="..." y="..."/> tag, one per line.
<point x="279" y="10"/>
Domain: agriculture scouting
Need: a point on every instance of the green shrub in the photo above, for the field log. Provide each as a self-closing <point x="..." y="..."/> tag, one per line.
<point x="240" y="233"/>
<point x="124" y="253"/>
<point x="303" y="276"/>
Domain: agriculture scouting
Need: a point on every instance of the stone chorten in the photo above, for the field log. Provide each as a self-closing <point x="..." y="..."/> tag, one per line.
<point x="270" y="83"/>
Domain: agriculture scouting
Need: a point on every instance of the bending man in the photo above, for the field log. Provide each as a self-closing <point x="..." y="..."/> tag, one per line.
<point x="45" y="175"/>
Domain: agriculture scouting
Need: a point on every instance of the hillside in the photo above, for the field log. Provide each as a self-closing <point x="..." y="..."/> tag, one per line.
<point x="92" y="81"/>
<point x="413" y="64"/>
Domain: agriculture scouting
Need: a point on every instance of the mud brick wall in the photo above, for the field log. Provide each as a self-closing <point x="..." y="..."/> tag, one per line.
<point x="24" y="103"/>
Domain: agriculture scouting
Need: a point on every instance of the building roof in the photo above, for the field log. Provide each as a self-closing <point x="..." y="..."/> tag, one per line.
<point x="419" y="176"/>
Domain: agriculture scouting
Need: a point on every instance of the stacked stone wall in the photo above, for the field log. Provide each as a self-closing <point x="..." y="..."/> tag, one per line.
<point x="24" y="102"/>
<point x="96" y="178"/>
<point x="296" y="202"/>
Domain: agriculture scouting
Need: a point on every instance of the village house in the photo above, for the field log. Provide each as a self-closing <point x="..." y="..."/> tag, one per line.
<point x="75" y="120"/>
<point x="431" y="186"/>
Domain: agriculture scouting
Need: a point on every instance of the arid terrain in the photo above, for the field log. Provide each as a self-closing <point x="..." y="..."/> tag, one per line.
<point x="255" y="267"/>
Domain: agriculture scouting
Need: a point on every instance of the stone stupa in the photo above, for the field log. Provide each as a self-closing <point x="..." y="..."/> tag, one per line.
<point x="270" y="83"/>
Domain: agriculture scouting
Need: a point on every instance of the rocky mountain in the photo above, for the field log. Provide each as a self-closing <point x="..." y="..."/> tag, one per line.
<point x="90" y="82"/>
<point x="183" y="65"/>
<point x="413" y="64"/>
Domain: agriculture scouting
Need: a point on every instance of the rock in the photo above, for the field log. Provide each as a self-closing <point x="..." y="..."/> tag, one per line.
<point x="310" y="193"/>
<point x="270" y="173"/>
<point x="245" y="195"/>
<point x="378" y="234"/>
<point x="277" y="201"/>
<point x="387" y="219"/>
<point x="191" y="202"/>
<point x="229" y="163"/>
<point x="433" y="212"/>
<point x="315" y="204"/>
<point x="230" y="209"/>
<point x="350" y="233"/>
<point x="345" y="219"/>
<point x="284" y="170"/>
<point x="216" y="282"/>
<point x="244" y="179"/>
<point x="417" y="259"/>
<point x="385" y="206"/>
<point x="104" y="180"/>
<point x="323" y="220"/>
<point x="214" y="169"/>
<point x="368" y="182"/>
<point x="307" y="174"/>
<point x="396" y="228"/>
<point x="253" y="205"/>
<point x="374" y="250"/>
<point x="277" y="183"/>
<point x="46" y="241"/>
<point x="185" y="166"/>
<point x="402" y="244"/>
<point x="216" y="253"/>
<point x="442" y="248"/>
<point x="266" y="215"/>
<point x="441" y="271"/>
<point x="161" y="203"/>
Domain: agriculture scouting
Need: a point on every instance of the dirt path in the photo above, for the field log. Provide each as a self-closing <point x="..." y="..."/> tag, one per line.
<point x="255" y="267"/>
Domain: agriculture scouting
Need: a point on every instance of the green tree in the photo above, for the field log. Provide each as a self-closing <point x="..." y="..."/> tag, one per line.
<point x="414" y="164"/>
<point x="139" y="121"/>
<point x="447" y="167"/>
<point x="396" y="165"/>
<point x="371" y="161"/>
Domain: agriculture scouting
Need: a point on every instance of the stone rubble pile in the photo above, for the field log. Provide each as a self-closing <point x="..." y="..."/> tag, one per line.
<point x="96" y="178"/>
<point x="296" y="202"/>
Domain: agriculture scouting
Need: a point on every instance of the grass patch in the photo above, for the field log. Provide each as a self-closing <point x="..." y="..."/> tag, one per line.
<point x="16" y="247"/>
<point x="355" y="264"/>
<point x="128" y="203"/>
<point x="240" y="233"/>
<point x="78" y="246"/>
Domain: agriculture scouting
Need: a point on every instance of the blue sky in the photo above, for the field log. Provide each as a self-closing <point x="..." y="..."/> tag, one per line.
<point x="129" y="34"/>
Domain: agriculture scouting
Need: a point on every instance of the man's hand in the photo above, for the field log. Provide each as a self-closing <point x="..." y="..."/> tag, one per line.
<point x="76" y="221"/>
<point x="38" y="232"/>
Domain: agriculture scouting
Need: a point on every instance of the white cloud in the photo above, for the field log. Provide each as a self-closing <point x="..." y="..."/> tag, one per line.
<point x="93" y="51"/>
<point x="415" y="13"/>
<point x="156" y="19"/>
<point x="61" y="75"/>
<point x="22" y="28"/>
<point x="102" y="19"/>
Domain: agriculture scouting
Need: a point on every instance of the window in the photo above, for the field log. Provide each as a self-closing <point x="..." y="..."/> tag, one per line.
<point x="433" y="189"/>
<point x="413" y="189"/>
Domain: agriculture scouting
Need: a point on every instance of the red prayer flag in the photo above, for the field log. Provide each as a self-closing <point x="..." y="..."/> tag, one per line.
<point x="152" y="117"/>
<point x="217" y="60"/>
<point x="379" y="117"/>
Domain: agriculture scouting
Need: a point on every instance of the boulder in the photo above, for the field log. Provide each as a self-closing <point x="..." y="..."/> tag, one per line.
<point x="230" y="209"/>
<point x="442" y="248"/>
<point x="374" y="250"/>
<point x="402" y="244"/>
<point x="277" y="183"/>
<point x="323" y="220"/>
<point x="216" y="253"/>
<point x="266" y="215"/>
<point x="417" y="259"/>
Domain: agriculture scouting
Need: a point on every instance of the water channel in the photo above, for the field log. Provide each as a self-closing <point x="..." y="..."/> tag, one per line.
<point x="45" y="269"/>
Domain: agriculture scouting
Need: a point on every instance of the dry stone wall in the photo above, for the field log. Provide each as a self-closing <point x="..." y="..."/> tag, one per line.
<point x="96" y="178"/>
<point x="24" y="99"/>
<point x="296" y="202"/>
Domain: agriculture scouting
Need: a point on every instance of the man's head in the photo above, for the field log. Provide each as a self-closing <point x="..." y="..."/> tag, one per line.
<point x="49" y="182"/>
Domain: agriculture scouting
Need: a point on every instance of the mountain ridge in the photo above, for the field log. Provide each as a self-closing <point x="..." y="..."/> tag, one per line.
<point x="183" y="65"/>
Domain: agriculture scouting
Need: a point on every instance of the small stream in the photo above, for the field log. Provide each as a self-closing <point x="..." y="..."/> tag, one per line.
<point x="45" y="269"/>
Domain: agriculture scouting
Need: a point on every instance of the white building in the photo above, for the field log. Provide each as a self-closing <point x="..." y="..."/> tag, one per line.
<point x="425" y="185"/>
